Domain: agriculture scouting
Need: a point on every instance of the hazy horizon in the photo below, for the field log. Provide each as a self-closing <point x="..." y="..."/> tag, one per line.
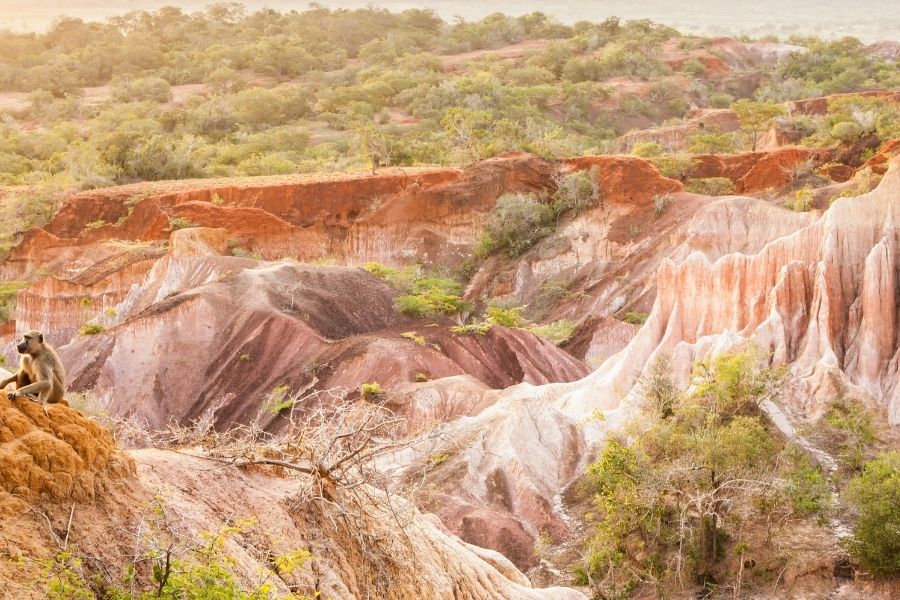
<point x="869" y="20"/>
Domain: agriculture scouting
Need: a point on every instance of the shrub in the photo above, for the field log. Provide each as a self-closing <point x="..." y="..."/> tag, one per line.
<point x="95" y="224"/>
<point x="807" y="487"/>
<point x="576" y="191"/>
<point x="711" y="141"/>
<point x="176" y="223"/>
<point x="152" y="89"/>
<point x="720" y="100"/>
<point x="661" y="202"/>
<point x="557" y="332"/>
<point x="875" y="494"/>
<point x="91" y="329"/>
<point x="636" y="318"/>
<point x="414" y="337"/>
<point x="431" y="296"/>
<point x="710" y="186"/>
<point x="507" y="317"/>
<point x="516" y="224"/>
<point x="480" y="328"/>
<point x="646" y="149"/>
<point x="9" y="293"/>
<point x="846" y="132"/>
<point x="675" y="166"/>
<point x="802" y="201"/>
<point x="694" y="68"/>
<point x="849" y="431"/>
<point x="756" y="117"/>
<point x="370" y="391"/>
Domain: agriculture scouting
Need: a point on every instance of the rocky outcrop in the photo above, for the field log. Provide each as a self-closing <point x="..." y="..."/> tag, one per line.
<point x="823" y="300"/>
<point x="819" y="106"/>
<point x="373" y="554"/>
<point x="53" y="453"/>
<point x="427" y="215"/>
<point x="675" y="138"/>
<point x="759" y="171"/>
<point x="207" y="334"/>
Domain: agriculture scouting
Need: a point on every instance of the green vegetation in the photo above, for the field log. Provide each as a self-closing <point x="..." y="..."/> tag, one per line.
<point x="9" y="293"/>
<point x="507" y="317"/>
<point x="711" y="141"/>
<point x="203" y="571"/>
<point x="829" y="67"/>
<point x="430" y="296"/>
<point x="477" y="328"/>
<point x="710" y="186"/>
<point x="875" y="495"/>
<point x="92" y="329"/>
<point x="519" y="221"/>
<point x="802" y="201"/>
<point x="370" y="391"/>
<point x="557" y="332"/>
<point x="319" y="89"/>
<point x="636" y="318"/>
<point x="672" y="504"/>
<point x="516" y="224"/>
<point x="424" y="295"/>
<point x="756" y="117"/>
<point x="660" y="203"/>
<point x="674" y="166"/>
<point x="176" y="223"/>
<point x="413" y="337"/>
<point x="280" y="400"/>
<point x="848" y="432"/>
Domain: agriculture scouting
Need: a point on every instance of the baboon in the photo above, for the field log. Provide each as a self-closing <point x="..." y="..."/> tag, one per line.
<point x="40" y="372"/>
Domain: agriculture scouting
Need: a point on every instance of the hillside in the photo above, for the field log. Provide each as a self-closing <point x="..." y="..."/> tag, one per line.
<point x="373" y="305"/>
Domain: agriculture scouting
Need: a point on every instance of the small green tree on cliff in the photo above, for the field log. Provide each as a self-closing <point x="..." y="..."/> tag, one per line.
<point x="756" y="117"/>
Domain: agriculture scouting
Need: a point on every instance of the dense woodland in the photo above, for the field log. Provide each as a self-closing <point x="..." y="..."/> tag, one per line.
<point x="272" y="93"/>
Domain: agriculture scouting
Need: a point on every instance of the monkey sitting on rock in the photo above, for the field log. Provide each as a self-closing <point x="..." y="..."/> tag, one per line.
<point x="40" y="374"/>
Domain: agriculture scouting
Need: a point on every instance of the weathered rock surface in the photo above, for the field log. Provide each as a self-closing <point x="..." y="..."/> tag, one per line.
<point x="421" y="561"/>
<point x="56" y="454"/>
<point x="207" y="334"/>
<point x="823" y="300"/>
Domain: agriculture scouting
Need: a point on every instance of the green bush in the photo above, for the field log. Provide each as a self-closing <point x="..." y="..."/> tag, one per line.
<point x="370" y="391"/>
<point x="720" y="100"/>
<point x="661" y="508"/>
<point x="9" y="293"/>
<point x="646" y="149"/>
<point x="802" y="201"/>
<point x="711" y="141"/>
<point x="846" y="132"/>
<point x="875" y="495"/>
<point x="636" y="318"/>
<point x="517" y="223"/>
<point x="430" y="296"/>
<point x="674" y="166"/>
<point x="576" y="191"/>
<point x="481" y="328"/>
<point x="507" y="317"/>
<point x="710" y="186"/>
<point x="557" y="332"/>
<point x="176" y="223"/>
<point x="91" y="329"/>
<point x="694" y="68"/>
<point x="153" y="89"/>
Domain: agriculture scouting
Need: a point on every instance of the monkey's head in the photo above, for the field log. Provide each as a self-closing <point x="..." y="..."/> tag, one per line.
<point x="32" y="343"/>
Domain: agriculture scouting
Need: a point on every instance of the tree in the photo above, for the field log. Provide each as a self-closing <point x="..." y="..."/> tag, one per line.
<point x="704" y="464"/>
<point x="875" y="494"/>
<point x="756" y="117"/>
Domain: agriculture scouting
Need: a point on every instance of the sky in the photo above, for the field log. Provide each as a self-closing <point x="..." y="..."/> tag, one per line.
<point x="870" y="20"/>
